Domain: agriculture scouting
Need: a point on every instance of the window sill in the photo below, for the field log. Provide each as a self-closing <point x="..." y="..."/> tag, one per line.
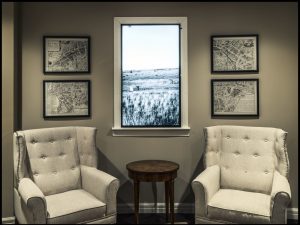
<point x="151" y="132"/>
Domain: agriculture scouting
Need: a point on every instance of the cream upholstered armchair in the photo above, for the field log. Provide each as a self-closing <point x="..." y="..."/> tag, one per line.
<point x="245" y="176"/>
<point x="56" y="179"/>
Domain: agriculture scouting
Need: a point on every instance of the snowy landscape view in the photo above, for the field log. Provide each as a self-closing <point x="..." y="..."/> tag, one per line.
<point x="151" y="98"/>
<point x="150" y="76"/>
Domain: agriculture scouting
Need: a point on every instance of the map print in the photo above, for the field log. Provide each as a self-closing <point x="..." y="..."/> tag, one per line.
<point x="234" y="54"/>
<point x="66" y="98"/>
<point x="237" y="97"/>
<point x="67" y="55"/>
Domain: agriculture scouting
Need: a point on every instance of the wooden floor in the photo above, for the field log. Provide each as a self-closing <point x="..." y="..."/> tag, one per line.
<point x="149" y="218"/>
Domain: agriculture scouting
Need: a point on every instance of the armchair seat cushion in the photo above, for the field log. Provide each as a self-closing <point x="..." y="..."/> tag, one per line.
<point x="76" y="206"/>
<point x="239" y="206"/>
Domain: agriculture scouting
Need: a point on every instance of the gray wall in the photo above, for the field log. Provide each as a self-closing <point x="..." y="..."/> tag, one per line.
<point x="276" y="24"/>
<point x="10" y="119"/>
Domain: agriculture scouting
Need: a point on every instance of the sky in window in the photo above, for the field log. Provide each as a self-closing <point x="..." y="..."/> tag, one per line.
<point x="147" y="47"/>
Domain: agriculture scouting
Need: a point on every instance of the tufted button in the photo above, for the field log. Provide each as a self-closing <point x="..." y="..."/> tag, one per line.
<point x="43" y="157"/>
<point x="245" y="171"/>
<point x="33" y="141"/>
<point x="255" y="155"/>
<point x="228" y="137"/>
<point x="54" y="172"/>
<point x="266" y="140"/>
<point x="246" y="138"/>
<point x="73" y="168"/>
<point x="236" y="153"/>
<point x="266" y="171"/>
<point x="61" y="154"/>
<point x="36" y="174"/>
<point x="51" y="140"/>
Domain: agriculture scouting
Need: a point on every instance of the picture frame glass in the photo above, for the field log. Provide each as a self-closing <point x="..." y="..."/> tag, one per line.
<point x="235" y="97"/>
<point x="234" y="54"/>
<point x="150" y="71"/>
<point x="67" y="98"/>
<point x="66" y="54"/>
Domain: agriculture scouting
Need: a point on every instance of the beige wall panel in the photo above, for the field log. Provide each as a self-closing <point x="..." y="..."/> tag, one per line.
<point x="276" y="24"/>
<point x="8" y="70"/>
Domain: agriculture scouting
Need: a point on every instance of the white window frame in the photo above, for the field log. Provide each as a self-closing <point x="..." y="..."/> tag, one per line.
<point x="117" y="130"/>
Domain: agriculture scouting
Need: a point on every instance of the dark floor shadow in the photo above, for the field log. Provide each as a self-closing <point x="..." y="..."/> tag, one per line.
<point x="154" y="218"/>
<point x="124" y="207"/>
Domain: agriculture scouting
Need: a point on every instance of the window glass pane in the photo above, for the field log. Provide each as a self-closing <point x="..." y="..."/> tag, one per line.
<point x="150" y="76"/>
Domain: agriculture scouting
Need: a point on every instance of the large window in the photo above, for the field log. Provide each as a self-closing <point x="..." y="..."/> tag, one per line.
<point x="150" y="73"/>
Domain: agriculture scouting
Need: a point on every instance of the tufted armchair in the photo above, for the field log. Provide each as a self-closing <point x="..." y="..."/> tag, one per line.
<point x="245" y="176"/>
<point x="56" y="179"/>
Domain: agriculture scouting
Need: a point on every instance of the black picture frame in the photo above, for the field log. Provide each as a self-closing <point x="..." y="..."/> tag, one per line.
<point x="67" y="103"/>
<point x="235" y="55"/>
<point x="230" y="100"/>
<point x="84" y="66"/>
<point x="179" y="81"/>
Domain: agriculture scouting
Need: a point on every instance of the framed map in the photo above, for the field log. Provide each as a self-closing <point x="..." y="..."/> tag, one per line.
<point x="234" y="54"/>
<point x="234" y="97"/>
<point x="66" y="98"/>
<point x="66" y="54"/>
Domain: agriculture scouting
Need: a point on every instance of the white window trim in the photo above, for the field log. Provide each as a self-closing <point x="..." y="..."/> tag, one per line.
<point x="117" y="130"/>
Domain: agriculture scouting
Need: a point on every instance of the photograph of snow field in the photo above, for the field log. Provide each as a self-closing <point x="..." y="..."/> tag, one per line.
<point x="150" y="76"/>
<point x="151" y="98"/>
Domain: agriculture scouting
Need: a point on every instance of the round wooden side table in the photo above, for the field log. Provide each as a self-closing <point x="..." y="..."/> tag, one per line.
<point x="154" y="171"/>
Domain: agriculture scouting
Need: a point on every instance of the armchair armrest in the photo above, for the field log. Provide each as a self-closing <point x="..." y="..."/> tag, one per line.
<point x="204" y="187"/>
<point x="280" y="198"/>
<point x="102" y="185"/>
<point x="34" y="200"/>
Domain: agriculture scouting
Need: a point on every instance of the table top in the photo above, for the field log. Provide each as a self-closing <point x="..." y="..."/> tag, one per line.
<point x="152" y="166"/>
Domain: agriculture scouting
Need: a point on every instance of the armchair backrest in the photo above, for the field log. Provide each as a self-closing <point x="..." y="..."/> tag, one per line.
<point x="247" y="156"/>
<point x="51" y="157"/>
